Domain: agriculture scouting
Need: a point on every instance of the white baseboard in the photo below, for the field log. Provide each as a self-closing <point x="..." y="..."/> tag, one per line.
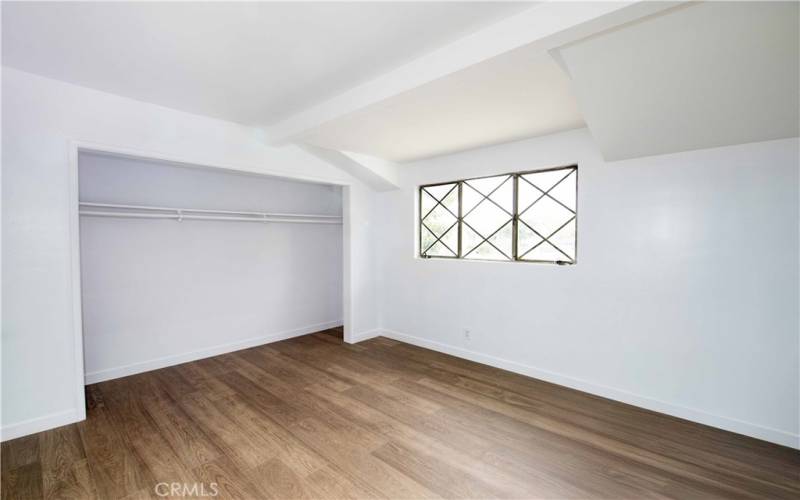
<point x="729" y="424"/>
<point x="176" y="359"/>
<point x="40" y="424"/>
<point x="369" y="334"/>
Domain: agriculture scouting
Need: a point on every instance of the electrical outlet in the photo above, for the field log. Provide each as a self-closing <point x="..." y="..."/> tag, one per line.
<point x="467" y="334"/>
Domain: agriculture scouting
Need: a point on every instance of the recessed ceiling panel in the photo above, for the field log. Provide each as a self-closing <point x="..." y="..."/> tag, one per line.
<point x="698" y="76"/>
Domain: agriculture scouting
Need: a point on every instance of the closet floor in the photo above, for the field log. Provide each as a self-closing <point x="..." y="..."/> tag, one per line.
<point x="312" y="417"/>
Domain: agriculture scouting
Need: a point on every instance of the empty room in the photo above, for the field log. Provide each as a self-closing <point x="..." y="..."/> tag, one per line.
<point x="400" y="250"/>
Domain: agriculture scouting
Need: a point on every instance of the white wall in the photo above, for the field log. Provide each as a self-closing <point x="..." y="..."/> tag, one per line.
<point x="40" y="118"/>
<point x="684" y="298"/>
<point x="159" y="292"/>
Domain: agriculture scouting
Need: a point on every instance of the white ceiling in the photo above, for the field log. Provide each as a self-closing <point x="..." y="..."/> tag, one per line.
<point x="519" y="94"/>
<point x="699" y="76"/>
<point x="252" y="63"/>
<point x="647" y="78"/>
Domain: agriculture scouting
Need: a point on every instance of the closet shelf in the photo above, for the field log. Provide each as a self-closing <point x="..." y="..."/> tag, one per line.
<point x="88" y="209"/>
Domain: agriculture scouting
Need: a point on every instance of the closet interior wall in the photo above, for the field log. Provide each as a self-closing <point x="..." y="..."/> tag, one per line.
<point x="158" y="291"/>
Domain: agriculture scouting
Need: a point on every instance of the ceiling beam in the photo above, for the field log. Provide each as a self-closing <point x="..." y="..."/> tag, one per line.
<point x="547" y="25"/>
<point x="378" y="174"/>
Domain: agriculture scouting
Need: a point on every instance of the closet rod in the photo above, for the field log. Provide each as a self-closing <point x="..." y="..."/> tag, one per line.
<point x="132" y="215"/>
<point x="207" y="211"/>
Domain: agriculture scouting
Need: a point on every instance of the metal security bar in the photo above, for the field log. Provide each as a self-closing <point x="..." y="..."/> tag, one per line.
<point x="541" y="210"/>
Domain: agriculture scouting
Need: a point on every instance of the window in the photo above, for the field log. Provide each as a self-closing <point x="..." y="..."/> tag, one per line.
<point x="524" y="216"/>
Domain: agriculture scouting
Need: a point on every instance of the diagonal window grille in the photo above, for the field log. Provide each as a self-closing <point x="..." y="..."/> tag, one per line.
<point x="439" y="222"/>
<point x="548" y="222"/>
<point x="487" y="221"/>
<point x="526" y="216"/>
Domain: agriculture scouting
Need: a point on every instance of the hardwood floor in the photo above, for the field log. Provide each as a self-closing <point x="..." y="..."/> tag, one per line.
<point x="312" y="417"/>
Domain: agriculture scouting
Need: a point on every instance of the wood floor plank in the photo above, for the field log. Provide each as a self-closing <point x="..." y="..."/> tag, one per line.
<point x="237" y="444"/>
<point x="724" y="482"/>
<point x="557" y="458"/>
<point x="357" y="461"/>
<point x="22" y="482"/>
<point x="304" y="404"/>
<point x="462" y="450"/>
<point x="227" y="480"/>
<point x="615" y="420"/>
<point x="290" y="370"/>
<point x="312" y="417"/>
<point x="337" y="362"/>
<point x="19" y="452"/>
<point x="173" y="381"/>
<point x="274" y="441"/>
<point x="631" y="436"/>
<point x="116" y="470"/>
<point x="182" y="434"/>
<point x="124" y="401"/>
<point x="77" y="482"/>
<point x="65" y="472"/>
<point x="279" y="482"/>
<point x="260" y="397"/>
<point x="205" y="380"/>
<point x="698" y="436"/>
<point x="146" y="494"/>
<point x="551" y="479"/>
<point x="446" y="479"/>
<point x="331" y="485"/>
<point x="161" y="460"/>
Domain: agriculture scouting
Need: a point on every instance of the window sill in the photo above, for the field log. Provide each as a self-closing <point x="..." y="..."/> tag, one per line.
<point x="490" y="261"/>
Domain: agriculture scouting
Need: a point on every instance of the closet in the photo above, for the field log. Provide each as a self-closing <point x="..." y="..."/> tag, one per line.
<point x="180" y="263"/>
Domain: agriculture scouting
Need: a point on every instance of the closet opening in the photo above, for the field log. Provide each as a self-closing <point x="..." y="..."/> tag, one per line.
<point x="181" y="262"/>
